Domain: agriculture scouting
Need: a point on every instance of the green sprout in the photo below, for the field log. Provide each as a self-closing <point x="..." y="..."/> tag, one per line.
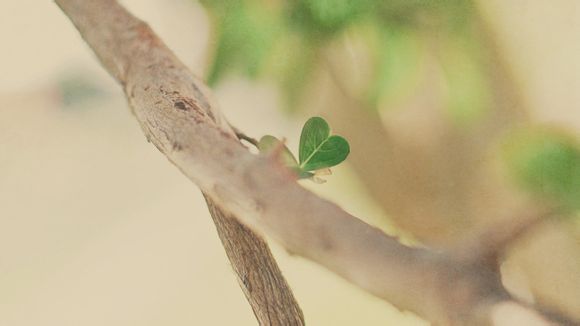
<point x="318" y="151"/>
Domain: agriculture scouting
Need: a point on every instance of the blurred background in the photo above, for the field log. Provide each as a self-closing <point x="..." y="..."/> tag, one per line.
<point x="435" y="97"/>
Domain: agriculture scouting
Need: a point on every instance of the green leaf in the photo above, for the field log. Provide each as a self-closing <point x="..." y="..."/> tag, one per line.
<point x="269" y="144"/>
<point x="467" y="88"/>
<point x="319" y="150"/>
<point x="314" y="132"/>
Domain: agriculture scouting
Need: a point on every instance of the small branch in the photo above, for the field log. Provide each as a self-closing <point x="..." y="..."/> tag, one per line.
<point x="257" y="272"/>
<point x="242" y="136"/>
<point x="489" y="245"/>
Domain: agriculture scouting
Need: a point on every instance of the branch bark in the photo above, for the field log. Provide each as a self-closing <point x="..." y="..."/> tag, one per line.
<point x="258" y="274"/>
<point x="176" y="115"/>
<point x="490" y="244"/>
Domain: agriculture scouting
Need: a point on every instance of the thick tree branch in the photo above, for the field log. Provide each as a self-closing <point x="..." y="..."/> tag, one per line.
<point x="258" y="274"/>
<point x="175" y="114"/>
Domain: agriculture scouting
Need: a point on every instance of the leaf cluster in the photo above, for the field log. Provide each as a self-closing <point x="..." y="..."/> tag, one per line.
<point x="318" y="150"/>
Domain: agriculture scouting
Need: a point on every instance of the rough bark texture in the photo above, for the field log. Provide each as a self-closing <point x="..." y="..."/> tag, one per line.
<point x="176" y="115"/>
<point x="257" y="272"/>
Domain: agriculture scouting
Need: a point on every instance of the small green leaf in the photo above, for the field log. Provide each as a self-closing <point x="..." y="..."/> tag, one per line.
<point x="314" y="132"/>
<point x="269" y="144"/>
<point x="319" y="150"/>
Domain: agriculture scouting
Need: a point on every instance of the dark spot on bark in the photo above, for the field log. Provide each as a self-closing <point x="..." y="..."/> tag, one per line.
<point x="191" y="104"/>
<point x="177" y="146"/>
<point x="247" y="283"/>
<point x="146" y="88"/>
<point x="201" y="97"/>
<point x="158" y="102"/>
<point x="180" y="106"/>
<point x="175" y="93"/>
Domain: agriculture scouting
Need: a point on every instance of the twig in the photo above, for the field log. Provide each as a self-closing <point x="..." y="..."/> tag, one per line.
<point x="257" y="272"/>
<point x="243" y="136"/>
<point x="489" y="245"/>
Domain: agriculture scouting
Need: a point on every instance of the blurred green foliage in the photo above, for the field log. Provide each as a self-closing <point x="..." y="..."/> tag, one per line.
<point x="245" y="32"/>
<point x="546" y="163"/>
<point x="286" y="41"/>
<point x="322" y="19"/>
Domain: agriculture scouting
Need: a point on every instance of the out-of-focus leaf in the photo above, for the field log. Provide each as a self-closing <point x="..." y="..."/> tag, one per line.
<point x="399" y="62"/>
<point x="467" y="90"/>
<point x="546" y="163"/>
<point x="245" y="36"/>
<point x="293" y="64"/>
<point x="218" y="4"/>
<point x="325" y="18"/>
<point x="449" y="14"/>
<point x="78" y="88"/>
<point x="319" y="150"/>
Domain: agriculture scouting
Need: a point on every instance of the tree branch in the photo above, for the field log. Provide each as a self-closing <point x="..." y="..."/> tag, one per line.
<point x="490" y="244"/>
<point x="174" y="111"/>
<point x="258" y="274"/>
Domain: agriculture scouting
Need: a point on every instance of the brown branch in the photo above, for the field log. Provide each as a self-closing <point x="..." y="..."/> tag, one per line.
<point x="175" y="114"/>
<point x="258" y="274"/>
<point x="242" y="136"/>
<point x="491" y="244"/>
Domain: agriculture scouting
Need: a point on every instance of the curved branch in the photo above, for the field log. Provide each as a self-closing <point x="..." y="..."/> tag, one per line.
<point x="115" y="35"/>
<point x="176" y="115"/>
